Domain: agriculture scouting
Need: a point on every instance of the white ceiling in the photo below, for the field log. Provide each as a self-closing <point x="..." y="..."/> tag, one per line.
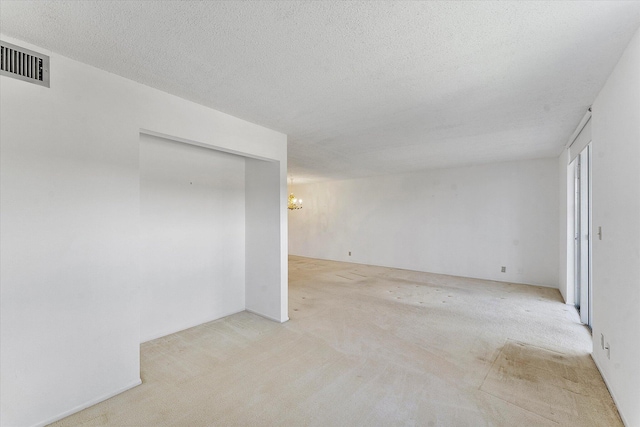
<point x="361" y="88"/>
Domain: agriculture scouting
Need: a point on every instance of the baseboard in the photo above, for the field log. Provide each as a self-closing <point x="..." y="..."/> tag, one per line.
<point x="498" y="280"/>
<point x="613" y="395"/>
<point x="85" y="405"/>
<point x="266" y="316"/>
<point x="190" y="325"/>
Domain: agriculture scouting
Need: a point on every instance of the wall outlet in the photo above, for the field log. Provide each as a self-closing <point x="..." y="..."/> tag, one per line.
<point x="349" y="253"/>
<point x="503" y="269"/>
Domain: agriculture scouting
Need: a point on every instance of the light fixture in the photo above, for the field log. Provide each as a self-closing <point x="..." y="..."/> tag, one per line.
<point x="294" y="203"/>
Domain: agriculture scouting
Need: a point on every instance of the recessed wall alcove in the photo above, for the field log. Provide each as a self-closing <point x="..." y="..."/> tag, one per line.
<point x="209" y="234"/>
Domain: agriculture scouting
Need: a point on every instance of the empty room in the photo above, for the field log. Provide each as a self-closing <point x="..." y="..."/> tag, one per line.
<point x="319" y="213"/>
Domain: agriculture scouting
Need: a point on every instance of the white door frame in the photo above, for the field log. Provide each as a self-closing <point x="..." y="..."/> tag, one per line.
<point x="582" y="234"/>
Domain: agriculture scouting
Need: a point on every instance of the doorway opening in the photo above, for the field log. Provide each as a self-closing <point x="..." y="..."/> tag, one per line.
<point x="582" y="233"/>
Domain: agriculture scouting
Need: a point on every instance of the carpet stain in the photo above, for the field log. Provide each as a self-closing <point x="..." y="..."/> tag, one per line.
<point x="565" y="388"/>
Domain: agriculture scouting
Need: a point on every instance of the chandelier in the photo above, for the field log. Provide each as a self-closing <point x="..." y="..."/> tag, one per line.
<point x="294" y="203"/>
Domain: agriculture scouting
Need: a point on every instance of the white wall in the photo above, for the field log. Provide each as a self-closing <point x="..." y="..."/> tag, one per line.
<point x="616" y="208"/>
<point x="263" y="241"/>
<point x="192" y="235"/>
<point x="566" y="231"/>
<point x="70" y="229"/>
<point x="466" y="221"/>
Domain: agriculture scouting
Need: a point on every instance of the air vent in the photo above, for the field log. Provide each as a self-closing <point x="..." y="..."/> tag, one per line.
<point x="24" y="64"/>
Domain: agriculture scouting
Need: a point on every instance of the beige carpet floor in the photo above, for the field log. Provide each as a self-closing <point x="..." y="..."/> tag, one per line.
<point x="374" y="346"/>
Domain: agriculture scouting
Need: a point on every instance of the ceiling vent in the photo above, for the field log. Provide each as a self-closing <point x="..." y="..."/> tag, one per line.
<point x="24" y="64"/>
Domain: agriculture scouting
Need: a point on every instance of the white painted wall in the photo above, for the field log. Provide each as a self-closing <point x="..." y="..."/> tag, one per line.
<point x="68" y="243"/>
<point x="263" y="249"/>
<point x="70" y="229"/>
<point x="616" y="208"/>
<point x="192" y="233"/>
<point x="466" y="221"/>
<point x="566" y="231"/>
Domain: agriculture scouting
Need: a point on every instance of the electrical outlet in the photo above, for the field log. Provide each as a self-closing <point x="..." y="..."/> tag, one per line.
<point x="349" y="253"/>
<point x="602" y="341"/>
<point x="503" y="270"/>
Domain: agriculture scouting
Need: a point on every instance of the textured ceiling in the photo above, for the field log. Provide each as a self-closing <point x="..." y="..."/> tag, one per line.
<point x="361" y="88"/>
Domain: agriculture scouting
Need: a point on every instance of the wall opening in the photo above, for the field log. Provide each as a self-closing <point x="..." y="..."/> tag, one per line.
<point x="192" y="225"/>
<point x="210" y="226"/>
